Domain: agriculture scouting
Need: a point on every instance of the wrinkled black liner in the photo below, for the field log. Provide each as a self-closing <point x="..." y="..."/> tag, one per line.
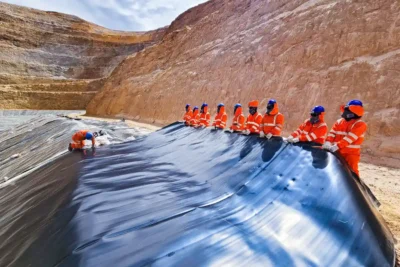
<point x="188" y="197"/>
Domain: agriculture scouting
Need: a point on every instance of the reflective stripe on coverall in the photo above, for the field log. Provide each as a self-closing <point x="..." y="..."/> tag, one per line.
<point x="79" y="139"/>
<point x="220" y="119"/>
<point x="348" y="135"/>
<point x="238" y="122"/>
<point x="308" y="132"/>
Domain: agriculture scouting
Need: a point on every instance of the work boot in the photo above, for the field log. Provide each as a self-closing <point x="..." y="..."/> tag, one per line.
<point x="70" y="147"/>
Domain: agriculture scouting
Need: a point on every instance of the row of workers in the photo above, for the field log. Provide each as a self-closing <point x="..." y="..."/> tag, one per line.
<point x="346" y="135"/>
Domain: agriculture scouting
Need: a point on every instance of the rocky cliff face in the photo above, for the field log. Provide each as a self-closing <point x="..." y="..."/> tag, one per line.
<point x="50" y="60"/>
<point x="300" y="52"/>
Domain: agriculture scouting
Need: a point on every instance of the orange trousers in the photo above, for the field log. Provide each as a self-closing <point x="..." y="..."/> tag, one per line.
<point x="77" y="143"/>
<point x="352" y="160"/>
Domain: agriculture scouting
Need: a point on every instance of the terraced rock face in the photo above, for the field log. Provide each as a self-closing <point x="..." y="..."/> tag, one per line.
<point x="50" y="60"/>
<point x="300" y="52"/>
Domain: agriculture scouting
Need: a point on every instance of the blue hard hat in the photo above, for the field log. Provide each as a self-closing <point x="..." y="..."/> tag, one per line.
<point x="355" y="102"/>
<point x="237" y="105"/>
<point x="195" y="107"/>
<point x="204" y="105"/>
<point x="272" y="101"/>
<point x="221" y="105"/>
<point x="187" y="105"/>
<point x="318" y="109"/>
<point x="89" y="136"/>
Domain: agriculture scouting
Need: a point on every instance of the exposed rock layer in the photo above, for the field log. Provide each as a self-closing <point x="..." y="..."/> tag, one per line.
<point x="302" y="53"/>
<point x="50" y="60"/>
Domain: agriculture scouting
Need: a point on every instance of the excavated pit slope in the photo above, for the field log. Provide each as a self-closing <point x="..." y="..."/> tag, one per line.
<point x="50" y="60"/>
<point x="187" y="197"/>
<point x="300" y="52"/>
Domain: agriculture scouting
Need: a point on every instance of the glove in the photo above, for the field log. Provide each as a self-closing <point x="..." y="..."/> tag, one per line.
<point x="295" y="140"/>
<point x="262" y="134"/>
<point x="269" y="136"/>
<point x="326" y="145"/>
<point x="290" y="139"/>
<point x="333" y="148"/>
<point x="246" y="132"/>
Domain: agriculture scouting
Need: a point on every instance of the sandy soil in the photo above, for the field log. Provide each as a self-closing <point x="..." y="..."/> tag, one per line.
<point x="385" y="184"/>
<point x="130" y="123"/>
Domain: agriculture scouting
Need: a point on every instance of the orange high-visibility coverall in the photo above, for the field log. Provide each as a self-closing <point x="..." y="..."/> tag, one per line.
<point x="238" y="123"/>
<point x="188" y="116"/>
<point x="195" y="118"/>
<point x="220" y="119"/>
<point x="253" y="121"/>
<point x="308" y="132"/>
<point x="79" y="139"/>
<point x="273" y="122"/>
<point x="204" y="120"/>
<point x="348" y="135"/>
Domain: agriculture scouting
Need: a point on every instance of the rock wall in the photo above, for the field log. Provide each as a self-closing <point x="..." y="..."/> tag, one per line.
<point x="50" y="60"/>
<point x="300" y="52"/>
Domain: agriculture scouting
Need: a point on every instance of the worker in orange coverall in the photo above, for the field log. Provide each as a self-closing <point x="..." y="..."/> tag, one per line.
<point x="313" y="129"/>
<point x="195" y="118"/>
<point x="79" y="139"/>
<point x="254" y="119"/>
<point x="205" y="117"/>
<point x="238" y="122"/>
<point x="272" y="122"/>
<point x="188" y="115"/>
<point x="221" y="117"/>
<point x="347" y="134"/>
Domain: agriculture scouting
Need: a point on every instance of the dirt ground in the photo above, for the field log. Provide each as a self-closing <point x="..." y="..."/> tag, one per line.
<point x="130" y="123"/>
<point x="385" y="184"/>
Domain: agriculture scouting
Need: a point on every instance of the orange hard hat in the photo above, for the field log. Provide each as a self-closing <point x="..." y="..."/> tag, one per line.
<point x="355" y="106"/>
<point x="253" y="104"/>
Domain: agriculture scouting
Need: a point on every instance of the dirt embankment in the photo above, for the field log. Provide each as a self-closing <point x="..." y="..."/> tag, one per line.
<point x="50" y="60"/>
<point x="300" y="52"/>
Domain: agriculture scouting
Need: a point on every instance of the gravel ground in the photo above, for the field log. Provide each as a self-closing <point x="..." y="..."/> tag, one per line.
<point x="385" y="184"/>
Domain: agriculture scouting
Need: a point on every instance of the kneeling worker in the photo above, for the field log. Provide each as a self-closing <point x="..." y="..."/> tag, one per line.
<point x="188" y="115"/>
<point x="79" y="139"/>
<point x="204" y="120"/>
<point x="221" y="117"/>
<point x="238" y="122"/>
<point x="272" y="122"/>
<point x="313" y="129"/>
<point x="253" y="119"/>
<point x="347" y="134"/>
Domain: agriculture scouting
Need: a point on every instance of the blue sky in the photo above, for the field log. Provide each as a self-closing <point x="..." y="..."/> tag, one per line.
<point x="125" y="15"/>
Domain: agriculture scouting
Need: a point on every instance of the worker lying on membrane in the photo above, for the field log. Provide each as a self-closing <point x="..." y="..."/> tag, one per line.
<point x="78" y="139"/>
